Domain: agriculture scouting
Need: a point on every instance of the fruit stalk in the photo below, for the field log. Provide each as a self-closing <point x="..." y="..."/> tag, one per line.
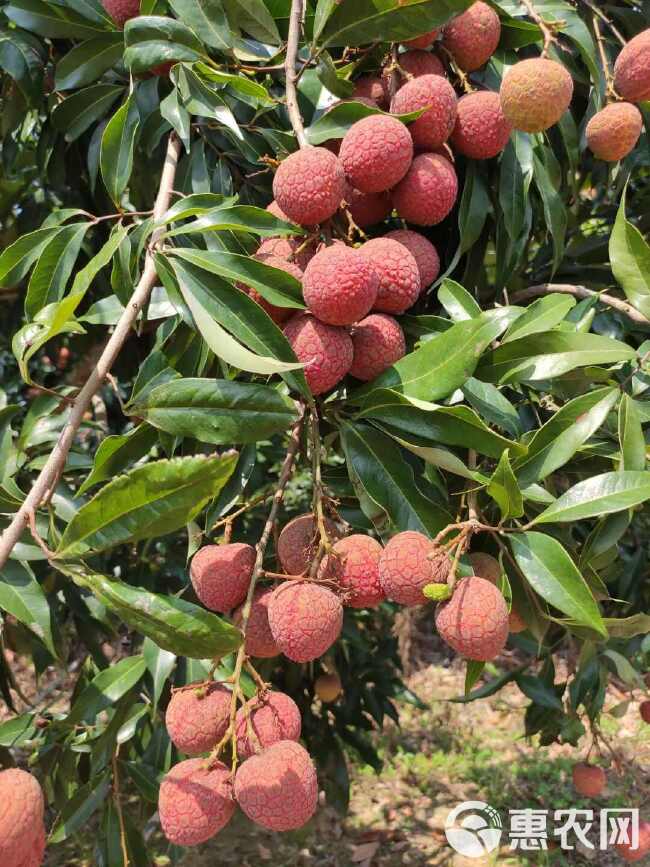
<point x="295" y="24"/>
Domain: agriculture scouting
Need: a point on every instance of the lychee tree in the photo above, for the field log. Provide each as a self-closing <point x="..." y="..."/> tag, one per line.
<point x="312" y="311"/>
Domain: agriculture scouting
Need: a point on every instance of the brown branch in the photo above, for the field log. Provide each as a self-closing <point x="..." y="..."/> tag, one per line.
<point x="293" y="40"/>
<point x="581" y="292"/>
<point x="53" y="468"/>
<point x="610" y="90"/>
<point x="599" y="12"/>
<point x="547" y="28"/>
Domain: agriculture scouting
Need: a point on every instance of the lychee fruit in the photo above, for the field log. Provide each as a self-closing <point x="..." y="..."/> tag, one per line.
<point x="472" y="37"/>
<point x="221" y="574"/>
<point x="376" y="152"/>
<point x="325" y="350"/>
<point x="535" y="94"/>
<point x="340" y="285"/>
<point x="428" y="191"/>
<point x="367" y="209"/>
<point x="298" y="543"/>
<point x="328" y="687"/>
<point x="270" y="718"/>
<point x="309" y="185"/>
<point x="632" y="69"/>
<point x="353" y="563"/>
<point x="631" y="855"/>
<point x="435" y="94"/>
<point x="644" y="710"/>
<point x="291" y="249"/>
<point x="422" y="250"/>
<point x="486" y="566"/>
<point x="276" y="210"/>
<point x="305" y="619"/>
<point x="195" y="803"/>
<point x="399" y="276"/>
<point x="278" y="789"/>
<point x="613" y="132"/>
<point x="122" y="10"/>
<point x="417" y="63"/>
<point x="474" y="621"/>
<point x="423" y="41"/>
<point x="516" y="623"/>
<point x="371" y="87"/>
<point x="197" y="718"/>
<point x="259" y="641"/>
<point x="588" y="780"/>
<point x="408" y="563"/>
<point x="378" y="342"/>
<point x="278" y="314"/>
<point x="22" y="807"/>
<point x="481" y="130"/>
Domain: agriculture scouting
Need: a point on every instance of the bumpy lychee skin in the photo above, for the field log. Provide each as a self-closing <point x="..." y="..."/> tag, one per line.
<point x="259" y="641"/>
<point x="378" y="342"/>
<point x="486" y="566"/>
<point x="290" y="249"/>
<point x="22" y="833"/>
<point x="194" y="803"/>
<point x="353" y="562"/>
<point x="340" y="285"/>
<point x="278" y="789"/>
<point x="328" y="687"/>
<point x="122" y="10"/>
<point x="422" y="250"/>
<point x="309" y="185"/>
<point x="481" y="130"/>
<point x="588" y="780"/>
<point x="305" y="619"/>
<point x="631" y="855"/>
<point x="408" y="563"/>
<point x="474" y="622"/>
<point x="276" y="210"/>
<point x="417" y="63"/>
<point x="221" y="574"/>
<point x="298" y="543"/>
<point x="435" y="94"/>
<point x="273" y="717"/>
<point x="279" y="315"/>
<point x="472" y="37"/>
<point x="535" y="94"/>
<point x="399" y="276"/>
<point x="632" y="69"/>
<point x="196" y="720"/>
<point x="423" y="41"/>
<point x="613" y="132"/>
<point x="368" y="209"/>
<point x="376" y="152"/>
<point x="325" y="350"/>
<point x="644" y="711"/>
<point x="371" y="87"/>
<point x="428" y="191"/>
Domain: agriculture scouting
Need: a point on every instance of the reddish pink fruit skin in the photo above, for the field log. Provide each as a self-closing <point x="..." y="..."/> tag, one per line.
<point x="197" y="723"/>
<point x="278" y="789"/>
<point x="399" y="276"/>
<point x="368" y="209"/>
<point x="378" y="342"/>
<point x="474" y="622"/>
<point x="289" y="249"/>
<point x="588" y="780"/>
<point x="122" y="10"/>
<point x="535" y="93"/>
<point x="376" y="152"/>
<point x="325" y="350"/>
<point x="632" y="69"/>
<point x="613" y="132"/>
<point x="194" y="804"/>
<point x="274" y="717"/>
<point x="276" y="210"/>
<point x="309" y="185"/>
<point x="339" y="285"/>
<point x="423" y="41"/>
<point x="279" y="315"/>
<point x="404" y="568"/>
<point x="472" y="37"/>
<point x="481" y="130"/>
<point x="371" y="87"/>
<point x="434" y="93"/>
<point x="305" y="619"/>
<point x="417" y="63"/>
<point x="354" y="563"/>
<point x="259" y="641"/>
<point x="632" y="855"/>
<point x="221" y="574"/>
<point x="298" y="543"/>
<point x="422" y="250"/>
<point x="644" y="710"/>
<point x="428" y="192"/>
<point x="22" y="833"/>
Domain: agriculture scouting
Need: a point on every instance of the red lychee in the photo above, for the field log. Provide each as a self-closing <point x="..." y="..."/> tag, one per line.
<point x="195" y="803"/>
<point x="298" y="543"/>
<point x="588" y="780"/>
<point x="613" y="132"/>
<point x="486" y="566"/>
<point x="197" y="719"/>
<point x="278" y="788"/>
<point x="399" y="276"/>
<point x="376" y="152"/>
<point x="423" y="41"/>
<point x="474" y="621"/>
<point x="535" y="93"/>
<point x="417" y="63"/>
<point x="353" y="563"/>
<point x="481" y="130"/>
<point x="378" y="342"/>
<point x="221" y="574"/>
<point x="325" y="350"/>
<point x="22" y="807"/>
<point x="371" y="87"/>
<point x="644" y="710"/>
<point x="271" y="718"/>
<point x="631" y="855"/>
<point x="278" y="314"/>
<point x="305" y="619"/>
<point x="428" y="192"/>
<point x="472" y="37"/>
<point x="309" y="185"/>
<point x="122" y="10"/>
<point x="408" y="563"/>
<point x="291" y="249"/>
<point x="422" y="250"/>
<point x="367" y="209"/>
<point x="276" y="210"/>
<point x="435" y="94"/>
<point x="340" y="285"/>
<point x="632" y="69"/>
<point x="259" y="640"/>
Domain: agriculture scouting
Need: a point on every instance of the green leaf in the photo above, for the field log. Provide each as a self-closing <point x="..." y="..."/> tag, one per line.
<point x="21" y="595"/>
<point x="116" y="452"/>
<point x="504" y="490"/>
<point x="541" y="315"/>
<point x="118" y="142"/>
<point x="629" y="255"/>
<point x="254" y="17"/>
<point x="82" y="109"/>
<point x="337" y="120"/>
<point x="554" y="210"/>
<point x="87" y="62"/>
<point x="628" y="627"/>
<point x="49" y="20"/>
<point x="23" y="57"/>
<point x="81" y="807"/>
<point x="106" y="688"/>
<point x="490" y="403"/>
<point x="200" y="99"/>
<point x="599" y="495"/>
<point x="18" y="258"/>
<point x="54" y="267"/>
<point x="630" y="434"/>
<point x="457" y="301"/>
<point x="516" y="172"/>
<point x="539" y="692"/>
<point x="237" y="218"/>
<point x="206" y="17"/>
<point x="160" y="664"/>
<point x="554" y="576"/>
<point x="146" y="502"/>
<point x="153" y="39"/>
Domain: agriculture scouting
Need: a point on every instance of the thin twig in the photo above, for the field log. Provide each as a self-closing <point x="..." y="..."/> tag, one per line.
<point x="317" y="481"/>
<point x="547" y="28"/>
<point x="599" y="12"/>
<point x="118" y="807"/>
<point x="610" y="90"/>
<point x="581" y="292"/>
<point x="472" y="504"/>
<point x="293" y="40"/>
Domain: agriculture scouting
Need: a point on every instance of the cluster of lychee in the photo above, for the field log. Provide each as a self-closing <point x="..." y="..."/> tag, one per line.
<point x="22" y="831"/>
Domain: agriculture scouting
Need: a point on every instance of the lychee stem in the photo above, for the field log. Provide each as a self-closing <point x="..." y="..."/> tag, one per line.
<point x="293" y="40"/>
<point x="323" y="538"/>
<point x="548" y="28"/>
<point x="610" y="90"/>
<point x="462" y="76"/>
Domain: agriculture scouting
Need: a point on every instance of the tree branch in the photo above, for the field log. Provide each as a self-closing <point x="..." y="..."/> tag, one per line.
<point x="53" y="468"/>
<point x="293" y="40"/>
<point x="581" y="292"/>
<point x="547" y="28"/>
